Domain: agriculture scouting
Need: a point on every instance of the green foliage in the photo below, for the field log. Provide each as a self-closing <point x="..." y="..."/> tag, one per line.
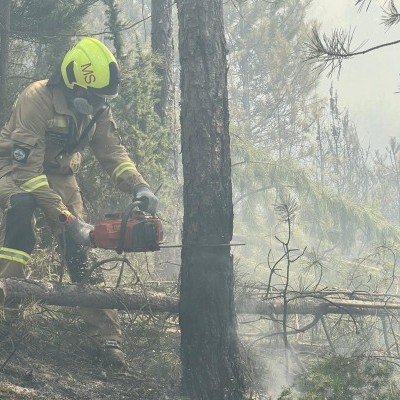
<point x="143" y="134"/>
<point x="270" y="88"/>
<point x="286" y="141"/>
<point x="48" y="24"/>
<point x="114" y="24"/>
<point x="346" y="378"/>
<point x="287" y="394"/>
<point x="337" y="218"/>
<point x="41" y="32"/>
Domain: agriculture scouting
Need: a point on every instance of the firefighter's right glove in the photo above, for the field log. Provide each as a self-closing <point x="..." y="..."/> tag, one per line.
<point x="79" y="231"/>
<point x="147" y="197"/>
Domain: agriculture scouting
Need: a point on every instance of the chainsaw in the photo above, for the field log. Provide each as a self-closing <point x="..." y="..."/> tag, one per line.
<point x="130" y="231"/>
<point x="135" y="231"/>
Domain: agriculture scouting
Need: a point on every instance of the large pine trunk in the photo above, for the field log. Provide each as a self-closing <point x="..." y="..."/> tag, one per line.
<point x="209" y="344"/>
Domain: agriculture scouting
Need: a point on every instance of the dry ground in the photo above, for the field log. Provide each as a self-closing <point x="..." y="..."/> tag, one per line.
<point x="54" y="360"/>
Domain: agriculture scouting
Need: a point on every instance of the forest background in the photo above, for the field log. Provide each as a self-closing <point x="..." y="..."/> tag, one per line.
<point x="306" y="192"/>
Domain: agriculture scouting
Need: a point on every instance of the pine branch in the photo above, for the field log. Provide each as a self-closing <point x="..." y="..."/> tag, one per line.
<point x="22" y="34"/>
<point x="391" y="15"/>
<point x="363" y="3"/>
<point x="330" y="51"/>
<point x="287" y="210"/>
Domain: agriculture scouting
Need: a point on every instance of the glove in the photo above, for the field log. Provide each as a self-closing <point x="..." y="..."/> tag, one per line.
<point x="147" y="197"/>
<point x="79" y="231"/>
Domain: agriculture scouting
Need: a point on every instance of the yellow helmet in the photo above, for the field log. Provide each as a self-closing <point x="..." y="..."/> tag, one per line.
<point x="90" y="64"/>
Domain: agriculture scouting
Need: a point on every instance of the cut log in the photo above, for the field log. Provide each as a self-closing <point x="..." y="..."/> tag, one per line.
<point x="71" y="295"/>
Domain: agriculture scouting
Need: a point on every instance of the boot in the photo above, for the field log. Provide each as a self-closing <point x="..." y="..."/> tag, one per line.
<point x="112" y="356"/>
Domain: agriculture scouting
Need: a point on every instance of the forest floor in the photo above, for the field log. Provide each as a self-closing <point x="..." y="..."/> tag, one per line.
<point x="53" y="360"/>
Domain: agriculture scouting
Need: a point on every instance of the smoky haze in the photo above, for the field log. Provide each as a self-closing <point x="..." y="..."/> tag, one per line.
<point x="367" y="83"/>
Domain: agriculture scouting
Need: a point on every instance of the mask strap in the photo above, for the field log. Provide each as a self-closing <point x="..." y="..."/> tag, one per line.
<point x="70" y="149"/>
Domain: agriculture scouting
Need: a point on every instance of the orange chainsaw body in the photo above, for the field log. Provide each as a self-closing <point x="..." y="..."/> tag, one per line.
<point x="143" y="233"/>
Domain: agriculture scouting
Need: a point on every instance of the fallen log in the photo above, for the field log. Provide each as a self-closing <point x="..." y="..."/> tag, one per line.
<point x="138" y="298"/>
<point x="72" y="295"/>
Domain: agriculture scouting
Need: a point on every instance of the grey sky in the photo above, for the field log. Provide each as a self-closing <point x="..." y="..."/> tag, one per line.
<point x="367" y="83"/>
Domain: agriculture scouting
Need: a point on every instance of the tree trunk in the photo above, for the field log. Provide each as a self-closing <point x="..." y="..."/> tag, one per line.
<point x="161" y="44"/>
<point x="209" y="343"/>
<point x="5" y="13"/>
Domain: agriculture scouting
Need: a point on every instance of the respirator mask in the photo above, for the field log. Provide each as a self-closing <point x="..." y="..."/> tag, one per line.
<point x="87" y="102"/>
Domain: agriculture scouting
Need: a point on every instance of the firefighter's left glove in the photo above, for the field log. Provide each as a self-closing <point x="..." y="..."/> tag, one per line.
<point x="79" y="231"/>
<point x="147" y="197"/>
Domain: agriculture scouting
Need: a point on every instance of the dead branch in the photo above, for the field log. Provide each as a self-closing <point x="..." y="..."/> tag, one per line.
<point x="317" y="306"/>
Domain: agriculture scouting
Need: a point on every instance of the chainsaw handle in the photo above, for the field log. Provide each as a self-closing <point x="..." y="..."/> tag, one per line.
<point x="124" y="221"/>
<point x="141" y="204"/>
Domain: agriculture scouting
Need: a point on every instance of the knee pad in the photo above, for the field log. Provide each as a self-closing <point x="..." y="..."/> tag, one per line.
<point x="19" y="230"/>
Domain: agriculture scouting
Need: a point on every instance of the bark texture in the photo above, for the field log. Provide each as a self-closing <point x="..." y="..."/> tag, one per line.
<point x="209" y="344"/>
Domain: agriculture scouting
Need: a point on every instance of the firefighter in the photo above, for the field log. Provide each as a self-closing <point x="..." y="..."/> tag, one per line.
<point x="51" y="122"/>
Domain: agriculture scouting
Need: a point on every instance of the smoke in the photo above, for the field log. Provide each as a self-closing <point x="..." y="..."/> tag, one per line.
<point x="268" y="372"/>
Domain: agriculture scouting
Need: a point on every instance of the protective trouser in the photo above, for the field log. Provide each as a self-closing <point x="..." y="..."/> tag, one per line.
<point x="17" y="240"/>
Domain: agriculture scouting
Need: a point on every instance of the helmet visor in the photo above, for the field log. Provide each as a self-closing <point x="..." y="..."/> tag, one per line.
<point x="96" y="95"/>
<point x="106" y="96"/>
<point x="109" y="92"/>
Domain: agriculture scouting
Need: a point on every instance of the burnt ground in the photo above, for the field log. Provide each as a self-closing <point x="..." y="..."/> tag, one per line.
<point x="50" y="358"/>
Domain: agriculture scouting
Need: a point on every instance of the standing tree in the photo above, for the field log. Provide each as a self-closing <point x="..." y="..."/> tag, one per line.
<point x="209" y="343"/>
<point x="272" y="91"/>
<point x="161" y="44"/>
<point x="114" y="24"/>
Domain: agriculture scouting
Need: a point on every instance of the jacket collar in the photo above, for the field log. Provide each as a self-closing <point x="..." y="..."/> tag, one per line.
<point x="61" y="105"/>
<point x="60" y="101"/>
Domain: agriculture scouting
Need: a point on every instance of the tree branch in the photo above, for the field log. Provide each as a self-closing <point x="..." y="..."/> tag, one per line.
<point x="391" y="16"/>
<point x="22" y="33"/>
<point x="328" y="52"/>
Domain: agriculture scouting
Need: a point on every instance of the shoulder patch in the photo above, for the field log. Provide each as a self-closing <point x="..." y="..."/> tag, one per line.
<point x="20" y="154"/>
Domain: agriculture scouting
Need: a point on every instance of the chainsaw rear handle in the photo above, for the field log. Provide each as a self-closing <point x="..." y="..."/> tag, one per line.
<point x="138" y="203"/>
<point x="141" y="204"/>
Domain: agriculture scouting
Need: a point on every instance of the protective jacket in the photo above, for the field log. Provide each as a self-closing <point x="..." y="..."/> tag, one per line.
<point x="34" y="140"/>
